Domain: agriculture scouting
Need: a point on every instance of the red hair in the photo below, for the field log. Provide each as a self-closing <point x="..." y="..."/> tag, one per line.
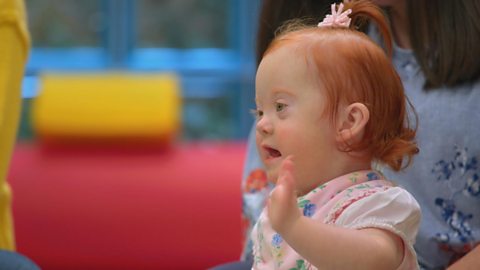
<point x="351" y="68"/>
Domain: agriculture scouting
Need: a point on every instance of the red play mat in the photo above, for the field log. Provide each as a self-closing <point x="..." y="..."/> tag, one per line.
<point x="93" y="208"/>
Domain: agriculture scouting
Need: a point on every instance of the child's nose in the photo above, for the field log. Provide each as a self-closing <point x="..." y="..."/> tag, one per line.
<point x="264" y="126"/>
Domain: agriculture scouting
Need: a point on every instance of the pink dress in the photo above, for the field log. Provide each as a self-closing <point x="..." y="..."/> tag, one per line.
<point x="357" y="200"/>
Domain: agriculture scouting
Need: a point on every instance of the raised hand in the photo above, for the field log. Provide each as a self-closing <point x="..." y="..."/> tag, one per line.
<point x="282" y="207"/>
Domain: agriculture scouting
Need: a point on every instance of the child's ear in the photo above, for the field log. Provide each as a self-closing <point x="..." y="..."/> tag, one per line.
<point x="351" y="123"/>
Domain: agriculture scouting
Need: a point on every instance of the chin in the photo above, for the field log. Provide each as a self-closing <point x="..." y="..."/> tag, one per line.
<point x="272" y="175"/>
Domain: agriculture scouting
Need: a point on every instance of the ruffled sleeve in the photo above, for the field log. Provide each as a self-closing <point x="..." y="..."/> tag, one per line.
<point x="394" y="210"/>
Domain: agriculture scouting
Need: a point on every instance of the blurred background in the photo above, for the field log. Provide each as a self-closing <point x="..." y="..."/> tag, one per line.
<point x="132" y="135"/>
<point x="207" y="43"/>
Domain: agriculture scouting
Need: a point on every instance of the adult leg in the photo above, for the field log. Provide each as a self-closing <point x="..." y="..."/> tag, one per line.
<point x="14" y="261"/>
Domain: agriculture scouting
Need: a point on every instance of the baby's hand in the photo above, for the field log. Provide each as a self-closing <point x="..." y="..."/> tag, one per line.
<point x="282" y="209"/>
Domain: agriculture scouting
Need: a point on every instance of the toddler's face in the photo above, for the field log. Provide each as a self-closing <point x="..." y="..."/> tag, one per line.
<point x="290" y="119"/>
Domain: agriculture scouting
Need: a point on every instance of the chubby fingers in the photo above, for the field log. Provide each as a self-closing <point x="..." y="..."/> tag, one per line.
<point x="285" y="175"/>
<point x="285" y="187"/>
<point x="282" y="204"/>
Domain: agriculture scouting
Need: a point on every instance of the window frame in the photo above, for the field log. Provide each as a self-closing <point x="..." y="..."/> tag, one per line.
<point x="203" y="72"/>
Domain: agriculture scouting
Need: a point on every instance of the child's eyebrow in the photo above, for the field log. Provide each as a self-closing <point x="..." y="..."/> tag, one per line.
<point x="281" y="92"/>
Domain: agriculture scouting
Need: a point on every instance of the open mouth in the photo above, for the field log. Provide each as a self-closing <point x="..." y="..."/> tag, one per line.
<point x="271" y="153"/>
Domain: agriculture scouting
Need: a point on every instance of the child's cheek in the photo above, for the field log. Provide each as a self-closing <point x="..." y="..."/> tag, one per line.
<point x="286" y="134"/>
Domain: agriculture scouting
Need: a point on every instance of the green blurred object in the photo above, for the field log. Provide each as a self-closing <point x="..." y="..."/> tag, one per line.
<point x="25" y="131"/>
<point x="65" y="23"/>
<point x="164" y="23"/>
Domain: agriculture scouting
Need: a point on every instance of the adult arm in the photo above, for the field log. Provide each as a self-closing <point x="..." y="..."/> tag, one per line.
<point x="253" y="203"/>
<point x="470" y="261"/>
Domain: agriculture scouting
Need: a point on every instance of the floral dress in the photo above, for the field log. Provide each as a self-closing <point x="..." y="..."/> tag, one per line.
<point x="356" y="200"/>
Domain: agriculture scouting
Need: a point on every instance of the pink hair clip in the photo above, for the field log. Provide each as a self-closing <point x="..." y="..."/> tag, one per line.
<point x="337" y="18"/>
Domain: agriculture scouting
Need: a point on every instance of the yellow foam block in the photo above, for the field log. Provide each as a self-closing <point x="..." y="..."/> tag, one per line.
<point x="104" y="106"/>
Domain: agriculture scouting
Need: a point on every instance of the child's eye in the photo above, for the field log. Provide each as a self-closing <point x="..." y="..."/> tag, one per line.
<point x="256" y="113"/>
<point x="280" y="106"/>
